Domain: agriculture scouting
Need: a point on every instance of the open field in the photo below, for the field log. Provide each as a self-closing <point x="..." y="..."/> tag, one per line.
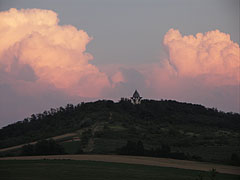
<point x="93" y="170"/>
<point x="162" y="162"/>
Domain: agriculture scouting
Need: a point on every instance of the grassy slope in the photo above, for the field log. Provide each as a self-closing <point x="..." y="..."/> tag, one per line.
<point x="89" y="170"/>
<point x="104" y="126"/>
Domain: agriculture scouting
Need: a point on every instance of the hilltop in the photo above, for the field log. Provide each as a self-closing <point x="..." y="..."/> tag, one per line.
<point x="188" y="131"/>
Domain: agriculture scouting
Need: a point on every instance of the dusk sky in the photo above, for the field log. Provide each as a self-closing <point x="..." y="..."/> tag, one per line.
<point x="55" y="52"/>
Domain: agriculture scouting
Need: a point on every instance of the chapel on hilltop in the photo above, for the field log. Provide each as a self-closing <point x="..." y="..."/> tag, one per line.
<point x="136" y="99"/>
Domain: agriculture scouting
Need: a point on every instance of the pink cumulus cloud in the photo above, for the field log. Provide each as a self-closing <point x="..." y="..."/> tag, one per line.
<point x="212" y="56"/>
<point x="201" y="69"/>
<point x="32" y="39"/>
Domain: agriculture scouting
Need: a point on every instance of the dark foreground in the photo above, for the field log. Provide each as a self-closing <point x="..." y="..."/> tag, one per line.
<point x="92" y="170"/>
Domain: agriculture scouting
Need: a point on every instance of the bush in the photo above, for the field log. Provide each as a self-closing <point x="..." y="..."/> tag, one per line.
<point x="235" y="159"/>
<point x="132" y="148"/>
<point x="44" y="147"/>
<point x="48" y="147"/>
<point x="28" y="150"/>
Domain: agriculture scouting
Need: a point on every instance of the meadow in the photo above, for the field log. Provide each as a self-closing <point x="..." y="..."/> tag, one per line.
<point x="93" y="170"/>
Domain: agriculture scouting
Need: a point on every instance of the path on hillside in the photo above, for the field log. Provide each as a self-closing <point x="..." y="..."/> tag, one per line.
<point x="54" y="138"/>
<point x="163" y="162"/>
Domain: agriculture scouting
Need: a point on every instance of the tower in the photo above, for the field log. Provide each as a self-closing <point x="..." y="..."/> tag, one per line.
<point x="136" y="99"/>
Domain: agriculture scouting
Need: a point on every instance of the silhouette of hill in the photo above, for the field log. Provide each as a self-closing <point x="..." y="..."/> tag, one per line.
<point x="152" y="127"/>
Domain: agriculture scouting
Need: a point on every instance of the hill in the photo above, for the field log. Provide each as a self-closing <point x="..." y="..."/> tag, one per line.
<point x="159" y="128"/>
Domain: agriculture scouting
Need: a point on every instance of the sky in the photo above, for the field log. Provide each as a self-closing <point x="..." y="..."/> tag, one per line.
<point x="55" y="52"/>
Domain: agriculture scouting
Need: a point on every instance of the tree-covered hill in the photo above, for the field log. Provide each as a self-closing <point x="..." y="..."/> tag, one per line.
<point x="105" y="126"/>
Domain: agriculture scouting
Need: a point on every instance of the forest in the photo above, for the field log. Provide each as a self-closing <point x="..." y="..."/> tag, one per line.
<point x="104" y="127"/>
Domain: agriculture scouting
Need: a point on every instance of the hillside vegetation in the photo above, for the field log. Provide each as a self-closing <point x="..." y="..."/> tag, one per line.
<point x="154" y="128"/>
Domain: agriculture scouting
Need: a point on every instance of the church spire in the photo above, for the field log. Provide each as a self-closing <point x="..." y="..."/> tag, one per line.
<point x="136" y="99"/>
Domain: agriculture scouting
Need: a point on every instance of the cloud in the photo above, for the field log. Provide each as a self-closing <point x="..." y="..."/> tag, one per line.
<point x="201" y="69"/>
<point x="44" y="64"/>
<point x="33" y="47"/>
<point x="212" y="56"/>
<point x="117" y="78"/>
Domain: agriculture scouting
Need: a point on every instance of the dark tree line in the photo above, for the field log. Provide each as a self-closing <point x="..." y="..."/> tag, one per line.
<point x="164" y="151"/>
<point x="70" y="118"/>
<point x="44" y="147"/>
<point x="132" y="148"/>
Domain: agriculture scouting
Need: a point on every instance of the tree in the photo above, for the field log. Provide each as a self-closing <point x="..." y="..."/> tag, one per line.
<point x="44" y="147"/>
<point x="212" y="174"/>
<point x="48" y="147"/>
<point x="27" y="150"/>
<point x="140" y="148"/>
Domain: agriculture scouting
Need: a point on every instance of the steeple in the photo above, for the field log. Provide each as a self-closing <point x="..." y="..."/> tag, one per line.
<point x="136" y="99"/>
<point x="136" y="94"/>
